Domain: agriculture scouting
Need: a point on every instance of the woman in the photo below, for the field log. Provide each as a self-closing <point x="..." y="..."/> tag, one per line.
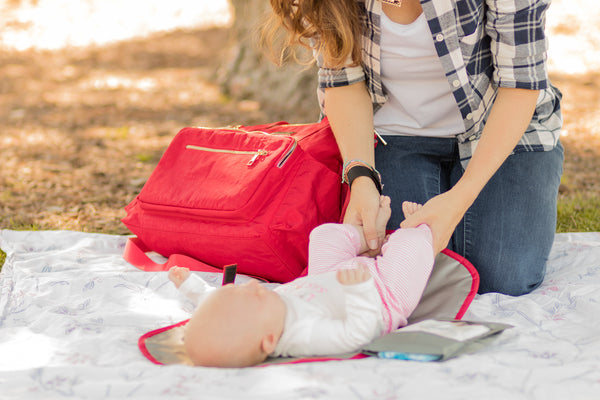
<point x="459" y="92"/>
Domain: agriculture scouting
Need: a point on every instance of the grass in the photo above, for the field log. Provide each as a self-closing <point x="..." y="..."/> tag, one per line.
<point x="578" y="213"/>
<point x="17" y="227"/>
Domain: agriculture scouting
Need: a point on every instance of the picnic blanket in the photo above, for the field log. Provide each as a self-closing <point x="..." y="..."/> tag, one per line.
<point x="72" y="310"/>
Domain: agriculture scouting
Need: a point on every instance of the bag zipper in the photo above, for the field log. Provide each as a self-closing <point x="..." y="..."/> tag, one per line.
<point x="287" y="155"/>
<point x="255" y="154"/>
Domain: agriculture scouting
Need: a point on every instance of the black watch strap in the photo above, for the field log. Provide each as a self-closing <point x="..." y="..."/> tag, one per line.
<point x="360" y="170"/>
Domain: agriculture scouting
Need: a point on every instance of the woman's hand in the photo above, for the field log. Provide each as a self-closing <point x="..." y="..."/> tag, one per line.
<point x="442" y="214"/>
<point x="363" y="209"/>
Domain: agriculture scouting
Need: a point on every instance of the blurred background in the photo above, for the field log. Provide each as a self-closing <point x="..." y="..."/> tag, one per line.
<point x="93" y="91"/>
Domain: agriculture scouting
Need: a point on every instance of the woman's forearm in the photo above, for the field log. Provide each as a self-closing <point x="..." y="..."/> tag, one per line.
<point x="510" y="115"/>
<point x="508" y="120"/>
<point x="350" y="114"/>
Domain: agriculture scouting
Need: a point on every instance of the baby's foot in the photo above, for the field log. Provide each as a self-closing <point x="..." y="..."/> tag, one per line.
<point x="384" y="213"/>
<point x="409" y="208"/>
<point x="178" y="275"/>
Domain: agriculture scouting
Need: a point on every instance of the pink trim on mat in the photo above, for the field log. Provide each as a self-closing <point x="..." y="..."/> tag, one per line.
<point x="471" y="269"/>
<point x="358" y="356"/>
<point x="146" y="336"/>
<point x="474" y="284"/>
<point x="146" y="353"/>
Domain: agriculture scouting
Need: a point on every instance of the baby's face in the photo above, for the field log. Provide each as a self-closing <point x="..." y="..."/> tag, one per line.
<point x="231" y="323"/>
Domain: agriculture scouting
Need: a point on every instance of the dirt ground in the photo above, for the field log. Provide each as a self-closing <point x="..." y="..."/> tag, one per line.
<point x="82" y="128"/>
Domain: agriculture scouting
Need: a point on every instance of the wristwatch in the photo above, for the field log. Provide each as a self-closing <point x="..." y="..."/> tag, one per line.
<point x="361" y="170"/>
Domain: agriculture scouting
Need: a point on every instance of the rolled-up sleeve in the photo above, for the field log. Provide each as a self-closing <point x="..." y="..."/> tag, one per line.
<point x="518" y="42"/>
<point x="336" y="77"/>
<point x="330" y="78"/>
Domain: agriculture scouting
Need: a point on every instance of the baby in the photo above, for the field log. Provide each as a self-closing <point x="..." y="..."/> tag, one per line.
<point x="346" y="300"/>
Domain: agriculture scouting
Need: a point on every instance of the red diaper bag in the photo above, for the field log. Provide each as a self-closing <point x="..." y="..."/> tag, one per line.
<point x="247" y="195"/>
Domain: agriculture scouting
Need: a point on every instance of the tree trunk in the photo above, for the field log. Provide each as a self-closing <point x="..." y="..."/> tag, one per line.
<point x="288" y="92"/>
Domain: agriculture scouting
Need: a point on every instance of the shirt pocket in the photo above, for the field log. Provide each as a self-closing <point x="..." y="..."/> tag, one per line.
<point x="473" y="44"/>
<point x="469" y="18"/>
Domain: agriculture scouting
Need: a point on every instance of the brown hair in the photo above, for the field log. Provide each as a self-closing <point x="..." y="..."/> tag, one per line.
<point x="331" y="27"/>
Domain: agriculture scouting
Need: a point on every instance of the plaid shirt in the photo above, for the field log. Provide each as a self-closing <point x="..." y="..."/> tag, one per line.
<point x="482" y="45"/>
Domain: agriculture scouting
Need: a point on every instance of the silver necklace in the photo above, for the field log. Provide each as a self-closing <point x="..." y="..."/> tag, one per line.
<point x="397" y="3"/>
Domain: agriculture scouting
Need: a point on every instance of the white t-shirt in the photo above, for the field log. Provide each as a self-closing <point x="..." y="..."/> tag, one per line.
<point x="420" y="100"/>
<point x="324" y="317"/>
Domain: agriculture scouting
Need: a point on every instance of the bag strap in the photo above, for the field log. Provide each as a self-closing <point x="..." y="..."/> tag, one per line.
<point x="135" y="254"/>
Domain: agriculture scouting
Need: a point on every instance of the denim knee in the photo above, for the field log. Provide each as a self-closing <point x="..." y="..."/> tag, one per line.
<point x="508" y="232"/>
<point x="515" y="280"/>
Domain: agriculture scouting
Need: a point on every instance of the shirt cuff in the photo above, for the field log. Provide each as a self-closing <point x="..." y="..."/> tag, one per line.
<point x="330" y="78"/>
<point x="195" y="288"/>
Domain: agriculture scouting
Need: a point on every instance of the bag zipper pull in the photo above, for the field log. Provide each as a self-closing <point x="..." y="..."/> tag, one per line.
<point x="256" y="155"/>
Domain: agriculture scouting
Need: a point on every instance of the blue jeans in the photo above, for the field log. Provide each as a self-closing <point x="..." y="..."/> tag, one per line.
<point x="508" y="232"/>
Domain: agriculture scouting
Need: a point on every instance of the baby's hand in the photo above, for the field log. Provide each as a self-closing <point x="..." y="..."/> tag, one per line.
<point x="353" y="276"/>
<point x="178" y="275"/>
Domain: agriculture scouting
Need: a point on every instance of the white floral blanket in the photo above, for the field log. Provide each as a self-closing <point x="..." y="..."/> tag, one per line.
<point x="71" y="312"/>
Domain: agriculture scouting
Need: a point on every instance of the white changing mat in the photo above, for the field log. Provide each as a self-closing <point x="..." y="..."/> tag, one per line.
<point x="71" y="312"/>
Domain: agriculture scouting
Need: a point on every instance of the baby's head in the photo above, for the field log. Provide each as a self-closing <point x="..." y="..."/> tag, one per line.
<point x="235" y="326"/>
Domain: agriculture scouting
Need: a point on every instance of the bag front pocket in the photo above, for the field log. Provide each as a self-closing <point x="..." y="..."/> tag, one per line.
<point x="254" y="153"/>
<point x="219" y="171"/>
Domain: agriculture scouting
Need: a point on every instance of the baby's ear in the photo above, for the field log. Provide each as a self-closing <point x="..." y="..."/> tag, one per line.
<point x="268" y="343"/>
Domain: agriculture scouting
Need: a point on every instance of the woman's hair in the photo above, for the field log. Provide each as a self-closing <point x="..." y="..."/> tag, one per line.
<point x="331" y="27"/>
